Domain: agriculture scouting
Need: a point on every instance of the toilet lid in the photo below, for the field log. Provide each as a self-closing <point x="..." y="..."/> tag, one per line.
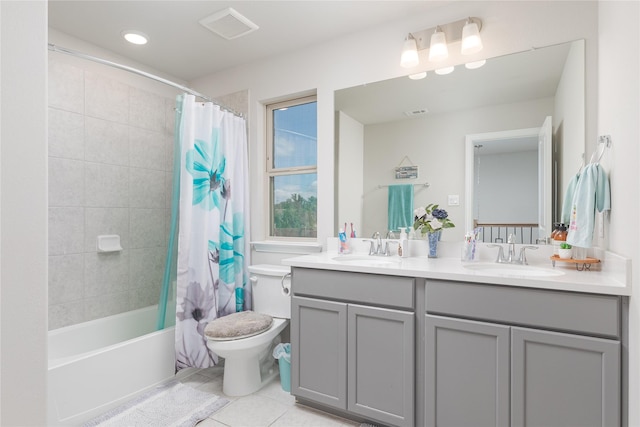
<point x="238" y="325"/>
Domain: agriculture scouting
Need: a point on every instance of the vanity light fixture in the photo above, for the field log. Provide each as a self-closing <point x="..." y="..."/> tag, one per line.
<point x="471" y="41"/>
<point x="438" y="50"/>
<point x="409" y="57"/>
<point x="135" y="37"/>
<point x="418" y="76"/>
<point x="466" y="31"/>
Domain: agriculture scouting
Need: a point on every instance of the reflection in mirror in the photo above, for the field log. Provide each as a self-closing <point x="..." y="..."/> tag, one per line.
<point x="428" y="121"/>
<point x="517" y="162"/>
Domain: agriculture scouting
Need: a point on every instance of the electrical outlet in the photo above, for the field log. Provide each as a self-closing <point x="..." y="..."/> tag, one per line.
<point x="454" y="200"/>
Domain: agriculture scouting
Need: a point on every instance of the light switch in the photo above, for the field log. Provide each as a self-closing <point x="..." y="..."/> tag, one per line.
<point x="454" y="200"/>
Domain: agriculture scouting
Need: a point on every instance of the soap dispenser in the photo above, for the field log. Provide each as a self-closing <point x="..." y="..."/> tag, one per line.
<point x="403" y="243"/>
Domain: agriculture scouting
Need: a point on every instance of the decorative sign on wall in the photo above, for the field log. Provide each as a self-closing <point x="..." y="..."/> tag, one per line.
<point x="406" y="172"/>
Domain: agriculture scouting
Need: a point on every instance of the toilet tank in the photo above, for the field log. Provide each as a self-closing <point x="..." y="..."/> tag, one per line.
<point x="271" y="289"/>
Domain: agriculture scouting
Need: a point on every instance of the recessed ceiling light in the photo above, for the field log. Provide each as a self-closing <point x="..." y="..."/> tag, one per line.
<point x="135" y="37"/>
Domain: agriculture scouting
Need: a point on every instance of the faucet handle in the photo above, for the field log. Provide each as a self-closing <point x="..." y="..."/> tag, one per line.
<point x="511" y="239"/>
<point x="522" y="258"/>
<point x="372" y="249"/>
<point x="500" y="257"/>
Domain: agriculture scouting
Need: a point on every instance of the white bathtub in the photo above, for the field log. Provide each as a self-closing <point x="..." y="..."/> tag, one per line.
<point x="97" y="365"/>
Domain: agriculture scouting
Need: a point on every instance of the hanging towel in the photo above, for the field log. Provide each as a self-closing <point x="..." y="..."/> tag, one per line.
<point x="565" y="216"/>
<point x="400" y="206"/>
<point x="591" y="193"/>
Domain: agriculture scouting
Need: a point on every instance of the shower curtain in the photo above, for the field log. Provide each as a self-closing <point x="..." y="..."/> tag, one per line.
<point x="213" y="242"/>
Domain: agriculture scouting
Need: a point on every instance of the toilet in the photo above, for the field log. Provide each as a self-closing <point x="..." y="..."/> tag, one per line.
<point x="248" y="362"/>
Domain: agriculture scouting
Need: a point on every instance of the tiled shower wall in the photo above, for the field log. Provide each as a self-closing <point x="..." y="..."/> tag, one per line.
<point x="110" y="162"/>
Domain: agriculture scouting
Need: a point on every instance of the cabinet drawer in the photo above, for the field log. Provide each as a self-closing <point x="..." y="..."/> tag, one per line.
<point x="371" y="289"/>
<point x="564" y="311"/>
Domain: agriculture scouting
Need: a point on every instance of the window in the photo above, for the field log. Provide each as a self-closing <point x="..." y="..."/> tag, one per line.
<point x="292" y="168"/>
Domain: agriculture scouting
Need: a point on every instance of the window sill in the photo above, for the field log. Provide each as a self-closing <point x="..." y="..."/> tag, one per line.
<point x="287" y="247"/>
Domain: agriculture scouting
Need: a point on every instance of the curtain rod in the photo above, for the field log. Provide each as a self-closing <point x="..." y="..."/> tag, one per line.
<point x="55" y="48"/>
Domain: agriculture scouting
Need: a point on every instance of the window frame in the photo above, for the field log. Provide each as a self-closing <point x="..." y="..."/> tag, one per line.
<point x="272" y="171"/>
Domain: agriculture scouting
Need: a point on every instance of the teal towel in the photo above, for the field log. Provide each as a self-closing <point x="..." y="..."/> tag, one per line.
<point x="565" y="217"/>
<point x="400" y="206"/>
<point x="592" y="193"/>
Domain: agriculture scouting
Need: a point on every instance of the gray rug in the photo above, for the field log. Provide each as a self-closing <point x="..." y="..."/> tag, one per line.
<point x="172" y="404"/>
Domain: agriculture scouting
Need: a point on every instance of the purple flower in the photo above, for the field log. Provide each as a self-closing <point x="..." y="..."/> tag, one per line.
<point x="439" y="213"/>
<point x="198" y="305"/>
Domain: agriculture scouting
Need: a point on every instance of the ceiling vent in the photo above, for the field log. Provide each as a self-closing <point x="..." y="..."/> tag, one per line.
<point x="228" y="23"/>
<point x="415" y="113"/>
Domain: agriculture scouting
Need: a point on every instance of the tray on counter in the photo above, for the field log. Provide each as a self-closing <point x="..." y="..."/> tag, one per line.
<point x="581" y="264"/>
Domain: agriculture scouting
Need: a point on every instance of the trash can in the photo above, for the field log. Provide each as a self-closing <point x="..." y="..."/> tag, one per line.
<point x="282" y="352"/>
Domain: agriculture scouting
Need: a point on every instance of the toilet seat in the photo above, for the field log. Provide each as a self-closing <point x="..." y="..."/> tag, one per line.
<point x="239" y="325"/>
<point x="255" y="340"/>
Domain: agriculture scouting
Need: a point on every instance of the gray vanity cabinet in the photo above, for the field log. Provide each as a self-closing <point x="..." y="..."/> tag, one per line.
<point x="564" y="380"/>
<point x="352" y="343"/>
<point x="319" y="351"/>
<point x="466" y="373"/>
<point x="381" y="364"/>
<point x="500" y="356"/>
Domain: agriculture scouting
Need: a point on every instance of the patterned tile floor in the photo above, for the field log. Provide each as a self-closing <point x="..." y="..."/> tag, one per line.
<point x="268" y="407"/>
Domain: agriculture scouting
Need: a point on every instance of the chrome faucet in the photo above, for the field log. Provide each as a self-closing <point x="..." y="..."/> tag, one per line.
<point x="376" y="247"/>
<point x="511" y="242"/>
<point x="511" y="254"/>
<point x="376" y="242"/>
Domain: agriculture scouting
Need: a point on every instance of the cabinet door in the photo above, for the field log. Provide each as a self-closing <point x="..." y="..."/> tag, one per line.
<point x="319" y="351"/>
<point x="564" y="380"/>
<point x="466" y="373"/>
<point x="381" y="364"/>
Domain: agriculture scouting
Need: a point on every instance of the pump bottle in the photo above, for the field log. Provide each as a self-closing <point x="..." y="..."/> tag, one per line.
<point x="403" y="243"/>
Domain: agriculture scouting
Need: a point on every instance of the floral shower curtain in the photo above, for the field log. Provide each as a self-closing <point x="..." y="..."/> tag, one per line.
<point x="213" y="228"/>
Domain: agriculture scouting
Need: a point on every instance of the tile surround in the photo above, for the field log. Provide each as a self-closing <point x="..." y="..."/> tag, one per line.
<point x="106" y="142"/>
<point x="147" y="110"/>
<point x="111" y="151"/>
<point x="110" y="158"/>
<point x="66" y="230"/>
<point x="66" y="134"/>
<point x="66" y="182"/>
<point x="66" y="87"/>
<point x="106" y="98"/>
<point x="147" y="149"/>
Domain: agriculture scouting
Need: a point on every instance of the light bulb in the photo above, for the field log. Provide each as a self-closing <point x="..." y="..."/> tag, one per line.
<point x="438" y="50"/>
<point x="471" y="41"/>
<point x="409" y="56"/>
<point x="418" y="76"/>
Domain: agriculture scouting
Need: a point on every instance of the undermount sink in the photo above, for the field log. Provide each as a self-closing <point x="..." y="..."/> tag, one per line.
<point x="370" y="260"/>
<point x="495" y="269"/>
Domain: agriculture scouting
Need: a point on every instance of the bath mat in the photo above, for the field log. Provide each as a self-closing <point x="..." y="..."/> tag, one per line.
<point x="172" y="404"/>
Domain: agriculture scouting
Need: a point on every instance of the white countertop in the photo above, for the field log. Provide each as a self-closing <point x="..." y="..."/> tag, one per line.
<point x="612" y="277"/>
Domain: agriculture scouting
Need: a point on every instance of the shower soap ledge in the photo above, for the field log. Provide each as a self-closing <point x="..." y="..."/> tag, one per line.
<point x="109" y="243"/>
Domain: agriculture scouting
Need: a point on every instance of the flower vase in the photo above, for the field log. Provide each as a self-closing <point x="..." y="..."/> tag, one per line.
<point x="433" y="243"/>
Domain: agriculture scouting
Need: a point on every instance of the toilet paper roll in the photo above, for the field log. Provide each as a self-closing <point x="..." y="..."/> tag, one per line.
<point x="286" y="285"/>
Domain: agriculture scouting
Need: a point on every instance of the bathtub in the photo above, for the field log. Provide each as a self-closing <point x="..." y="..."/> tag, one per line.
<point x="96" y="365"/>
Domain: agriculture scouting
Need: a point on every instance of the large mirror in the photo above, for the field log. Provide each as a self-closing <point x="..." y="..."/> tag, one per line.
<point x="431" y="128"/>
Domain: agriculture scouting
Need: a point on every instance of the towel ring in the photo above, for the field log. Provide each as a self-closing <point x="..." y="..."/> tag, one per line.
<point x="604" y="142"/>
